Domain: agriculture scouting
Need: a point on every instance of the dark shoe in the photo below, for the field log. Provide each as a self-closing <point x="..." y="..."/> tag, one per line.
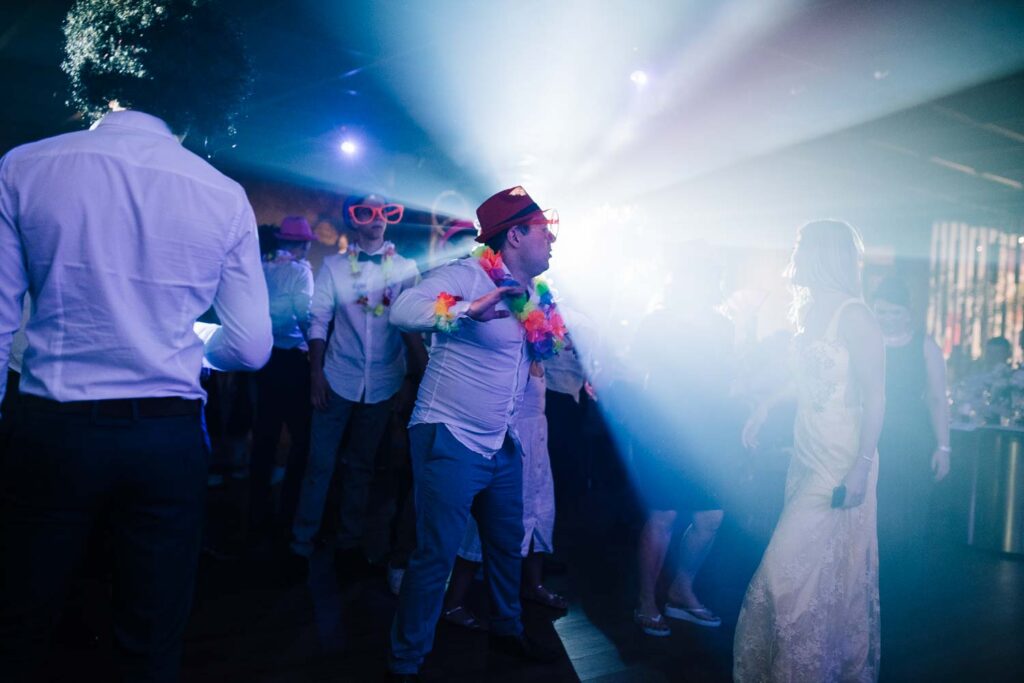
<point x="293" y="569"/>
<point x="542" y="596"/>
<point x="460" y="616"/>
<point x="523" y="647"/>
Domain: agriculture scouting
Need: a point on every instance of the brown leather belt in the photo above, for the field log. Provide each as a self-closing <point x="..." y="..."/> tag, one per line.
<point x="126" y="408"/>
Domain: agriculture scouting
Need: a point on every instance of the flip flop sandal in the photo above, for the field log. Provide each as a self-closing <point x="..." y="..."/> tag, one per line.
<point x="701" y="616"/>
<point x="460" y="616"/>
<point x="653" y="626"/>
<point x="542" y="596"/>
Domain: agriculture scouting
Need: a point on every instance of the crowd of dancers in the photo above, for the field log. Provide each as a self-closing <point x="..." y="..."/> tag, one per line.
<point x="104" y="414"/>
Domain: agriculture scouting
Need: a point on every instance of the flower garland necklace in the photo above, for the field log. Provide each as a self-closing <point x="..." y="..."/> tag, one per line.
<point x="359" y="284"/>
<point x="542" y="323"/>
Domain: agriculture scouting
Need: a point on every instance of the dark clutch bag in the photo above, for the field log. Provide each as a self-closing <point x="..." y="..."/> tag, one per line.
<point x="838" y="496"/>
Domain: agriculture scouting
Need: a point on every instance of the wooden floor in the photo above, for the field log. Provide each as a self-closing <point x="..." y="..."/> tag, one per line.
<point x="962" y="621"/>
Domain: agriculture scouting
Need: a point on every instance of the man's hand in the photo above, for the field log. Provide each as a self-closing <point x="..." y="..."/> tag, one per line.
<point x="482" y="309"/>
<point x="318" y="389"/>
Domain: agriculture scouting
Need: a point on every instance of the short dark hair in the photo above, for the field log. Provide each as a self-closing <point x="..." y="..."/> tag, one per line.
<point x="288" y="245"/>
<point x="180" y="60"/>
<point x="497" y="243"/>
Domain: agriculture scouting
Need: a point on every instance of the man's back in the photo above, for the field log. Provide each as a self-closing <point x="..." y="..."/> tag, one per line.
<point x="127" y="238"/>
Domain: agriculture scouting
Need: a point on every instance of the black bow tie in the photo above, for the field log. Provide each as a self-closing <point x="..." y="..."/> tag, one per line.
<point x="376" y="258"/>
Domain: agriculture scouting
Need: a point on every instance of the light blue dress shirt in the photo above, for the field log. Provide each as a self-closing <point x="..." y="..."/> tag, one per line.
<point x="290" y="286"/>
<point x="124" y="238"/>
<point x="365" y="359"/>
<point x="476" y="376"/>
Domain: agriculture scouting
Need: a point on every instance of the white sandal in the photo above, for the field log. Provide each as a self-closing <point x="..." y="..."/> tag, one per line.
<point x="701" y="616"/>
<point x="652" y="626"/>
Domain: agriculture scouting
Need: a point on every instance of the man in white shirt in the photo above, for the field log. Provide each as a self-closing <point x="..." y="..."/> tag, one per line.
<point x="282" y="386"/>
<point x="353" y="377"/>
<point x="123" y="239"/>
<point x="461" y="434"/>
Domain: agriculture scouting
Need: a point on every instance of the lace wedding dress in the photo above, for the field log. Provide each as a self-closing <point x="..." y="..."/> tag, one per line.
<point x="811" y="612"/>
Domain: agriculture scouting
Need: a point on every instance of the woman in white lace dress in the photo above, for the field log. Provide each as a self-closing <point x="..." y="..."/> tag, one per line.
<point x="811" y="612"/>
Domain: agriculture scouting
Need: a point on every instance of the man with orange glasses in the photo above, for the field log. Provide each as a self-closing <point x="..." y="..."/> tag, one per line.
<point x="353" y="378"/>
<point x="493" y="323"/>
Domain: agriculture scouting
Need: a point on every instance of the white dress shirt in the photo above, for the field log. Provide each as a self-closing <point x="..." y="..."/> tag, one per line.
<point x="290" y="286"/>
<point x="476" y="376"/>
<point x="365" y="359"/>
<point x="124" y="238"/>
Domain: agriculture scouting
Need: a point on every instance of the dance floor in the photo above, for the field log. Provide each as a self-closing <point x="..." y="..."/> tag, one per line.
<point x="960" y="621"/>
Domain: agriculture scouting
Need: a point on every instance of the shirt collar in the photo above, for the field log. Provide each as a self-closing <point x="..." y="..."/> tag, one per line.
<point x="379" y="250"/>
<point x="137" y="120"/>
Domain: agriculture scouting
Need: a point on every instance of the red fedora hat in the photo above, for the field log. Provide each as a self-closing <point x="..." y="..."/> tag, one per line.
<point x="507" y="208"/>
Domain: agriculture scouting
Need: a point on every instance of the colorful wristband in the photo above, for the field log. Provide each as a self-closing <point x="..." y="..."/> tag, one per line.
<point x="444" y="319"/>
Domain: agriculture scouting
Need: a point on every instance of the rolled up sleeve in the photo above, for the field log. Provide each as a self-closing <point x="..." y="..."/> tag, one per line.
<point x="414" y="309"/>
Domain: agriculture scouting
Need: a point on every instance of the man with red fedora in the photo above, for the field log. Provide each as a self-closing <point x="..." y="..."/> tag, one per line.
<point x="491" y="323"/>
<point x="282" y="386"/>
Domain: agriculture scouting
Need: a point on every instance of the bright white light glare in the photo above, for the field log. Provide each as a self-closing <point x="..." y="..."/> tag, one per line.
<point x="348" y="147"/>
<point x="639" y="78"/>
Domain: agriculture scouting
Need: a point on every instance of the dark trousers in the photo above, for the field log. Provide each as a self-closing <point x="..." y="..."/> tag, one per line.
<point x="282" y="398"/>
<point x="9" y="409"/>
<point x="569" y="461"/>
<point x="62" y="473"/>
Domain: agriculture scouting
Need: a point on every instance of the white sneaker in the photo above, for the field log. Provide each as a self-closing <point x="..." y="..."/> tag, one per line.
<point x="395" y="576"/>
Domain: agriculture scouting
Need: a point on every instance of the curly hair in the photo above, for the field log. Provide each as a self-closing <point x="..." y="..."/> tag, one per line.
<point x="180" y="60"/>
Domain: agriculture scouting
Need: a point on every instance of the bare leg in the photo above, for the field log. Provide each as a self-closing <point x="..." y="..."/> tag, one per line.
<point x="654" y="541"/>
<point x="694" y="548"/>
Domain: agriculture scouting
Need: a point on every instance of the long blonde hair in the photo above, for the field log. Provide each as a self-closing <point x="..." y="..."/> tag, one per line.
<point x="828" y="255"/>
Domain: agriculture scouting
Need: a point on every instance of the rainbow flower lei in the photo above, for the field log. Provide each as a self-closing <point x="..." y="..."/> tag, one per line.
<point x="359" y="285"/>
<point x="542" y="324"/>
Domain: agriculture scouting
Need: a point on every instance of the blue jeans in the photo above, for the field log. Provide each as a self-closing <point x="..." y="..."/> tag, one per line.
<point x="367" y="421"/>
<point x="450" y="481"/>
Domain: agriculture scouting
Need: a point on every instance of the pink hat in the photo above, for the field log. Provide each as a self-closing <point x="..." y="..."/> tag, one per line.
<point x="456" y="227"/>
<point x="295" y="229"/>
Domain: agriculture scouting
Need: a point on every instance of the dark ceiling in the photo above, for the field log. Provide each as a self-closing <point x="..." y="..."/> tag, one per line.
<point x="324" y="71"/>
